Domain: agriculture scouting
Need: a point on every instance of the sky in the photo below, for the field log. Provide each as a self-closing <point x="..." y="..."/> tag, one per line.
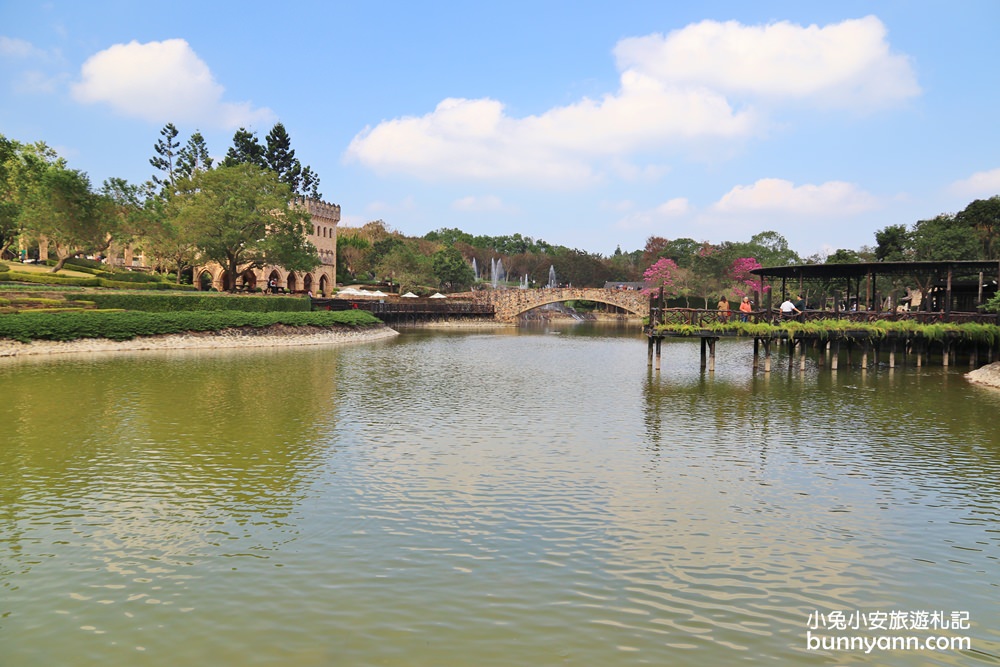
<point x="592" y="125"/>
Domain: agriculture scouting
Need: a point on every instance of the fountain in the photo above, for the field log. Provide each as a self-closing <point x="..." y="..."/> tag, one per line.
<point x="475" y="270"/>
<point x="552" y="276"/>
<point x="499" y="277"/>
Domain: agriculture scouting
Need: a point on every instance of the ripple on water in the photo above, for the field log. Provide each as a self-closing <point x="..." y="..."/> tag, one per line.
<point x="543" y="496"/>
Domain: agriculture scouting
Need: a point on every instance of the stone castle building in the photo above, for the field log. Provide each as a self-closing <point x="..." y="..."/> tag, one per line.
<point x="320" y="281"/>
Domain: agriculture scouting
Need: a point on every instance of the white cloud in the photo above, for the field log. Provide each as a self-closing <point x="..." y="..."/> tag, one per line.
<point x="688" y="92"/>
<point x="11" y="47"/>
<point x="980" y="184"/>
<point x="667" y="212"/>
<point x="162" y="82"/>
<point x="778" y="196"/>
<point x="487" y="204"/>
<point x="383" y="207"/>
<point x="843" y="65"/>
<point x="35" y="81"/>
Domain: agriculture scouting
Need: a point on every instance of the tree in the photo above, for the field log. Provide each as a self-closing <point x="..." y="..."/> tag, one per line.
<point x="193" y="157"/>
<point x="240" y="217"/>
<point x="983" y="216"/>
<point x="892" y="244"/>
<point x="165" y="159"/>
<point x="61" y="208"/>
<point x="246" y="149"/>
<point x="124" y="209"/>
<point x="9" y="208"/>
<point x="944" y="238"/>
<point x="654" y="249"/>
<point x="163" y="238"/>
<point x="843" y="256"/>
<point x="451" y="269"/>
<point x="662" y="274"/>
<point x="280" y="157"/>
<point x="747" y="283"/>
<point x="352" y="251"/>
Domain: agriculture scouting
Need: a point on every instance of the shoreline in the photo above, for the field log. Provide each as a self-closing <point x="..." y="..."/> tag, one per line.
<point x="227" y="338"/>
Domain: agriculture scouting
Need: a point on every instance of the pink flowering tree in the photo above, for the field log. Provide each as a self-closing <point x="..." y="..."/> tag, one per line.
<point x="662" y="274"/>
<point x="746" y="283"/>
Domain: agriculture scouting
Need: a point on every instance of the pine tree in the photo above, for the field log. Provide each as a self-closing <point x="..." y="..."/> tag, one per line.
<point x="280" y="158"/>
<point x="246" y="149"/>
<point x="165" y="159"/>
<point x="193" y="157"/>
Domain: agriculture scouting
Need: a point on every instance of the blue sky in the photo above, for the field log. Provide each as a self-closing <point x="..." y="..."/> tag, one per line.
<point x="587" y="124"/>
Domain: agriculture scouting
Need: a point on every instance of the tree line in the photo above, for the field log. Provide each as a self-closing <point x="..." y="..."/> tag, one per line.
<point x="189" y="212"/>
<point x="237" y="213"/>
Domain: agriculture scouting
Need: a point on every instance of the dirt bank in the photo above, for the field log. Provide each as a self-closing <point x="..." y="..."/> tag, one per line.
<point x="274" y="336"/>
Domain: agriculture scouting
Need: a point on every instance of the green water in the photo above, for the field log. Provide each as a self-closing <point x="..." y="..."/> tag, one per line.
<point x="527" y="497"/>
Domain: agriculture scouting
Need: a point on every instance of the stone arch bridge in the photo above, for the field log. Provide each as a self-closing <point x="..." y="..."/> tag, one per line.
<point x="510" y="303"/>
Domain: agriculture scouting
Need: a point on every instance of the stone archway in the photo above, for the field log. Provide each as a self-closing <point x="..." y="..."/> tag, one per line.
<point x="307" y="282"/>
<point x="324" y="285"/>
<point x="273" y="281"/>
<point x="205" y="281"/>
<point x="291" y="282"/>
<point x="249" y="280"/>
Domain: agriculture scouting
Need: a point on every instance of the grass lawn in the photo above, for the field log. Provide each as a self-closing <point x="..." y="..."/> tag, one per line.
<point x="42" y="268"/>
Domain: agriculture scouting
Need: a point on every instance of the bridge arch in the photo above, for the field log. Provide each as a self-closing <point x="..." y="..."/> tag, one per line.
<point x="509" y="304"/>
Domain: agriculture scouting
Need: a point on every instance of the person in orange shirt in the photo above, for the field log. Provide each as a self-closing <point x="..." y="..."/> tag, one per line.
<point x="745" y="309"/>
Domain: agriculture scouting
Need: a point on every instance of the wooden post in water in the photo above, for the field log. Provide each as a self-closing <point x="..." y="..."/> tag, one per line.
<point x="834" y="353"/>
<point x="756" y="353"/>
<point x="659" y="342"/>
<point x="703" y="346"/>
<point x="892" y="353"/>
<point x="649" y="355"/>
<point x="767" y="355"/>
<point x="711" y="354"/>
<point x="802" y="354"/>
<point x="945" y="354"/>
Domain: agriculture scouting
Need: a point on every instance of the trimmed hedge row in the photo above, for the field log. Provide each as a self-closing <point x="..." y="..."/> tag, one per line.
<point x="63" y="326"/>
<point x="130" y="276"/>
<point x="55" y="279"/>
<point x="170" y="303"/>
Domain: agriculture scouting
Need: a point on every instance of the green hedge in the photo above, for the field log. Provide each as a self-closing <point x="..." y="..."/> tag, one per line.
<point x="131" y="276"/>
<point x="55" y="279"/>
<point x="62" y="326"/>
<point x="169" y="303"/>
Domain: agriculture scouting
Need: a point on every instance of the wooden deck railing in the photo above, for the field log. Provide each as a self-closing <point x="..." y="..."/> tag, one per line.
<point x="701" y="317"/>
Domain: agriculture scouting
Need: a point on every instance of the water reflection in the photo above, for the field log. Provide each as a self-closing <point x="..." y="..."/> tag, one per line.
<point x="498" y="497"/>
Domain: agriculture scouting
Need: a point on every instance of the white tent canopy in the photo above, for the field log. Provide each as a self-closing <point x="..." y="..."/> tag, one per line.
<point x="438" y="295"/>
<point x="410" y="295"/>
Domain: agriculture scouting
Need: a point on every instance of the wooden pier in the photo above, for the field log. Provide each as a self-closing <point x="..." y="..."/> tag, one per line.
<point x="833" y="339"/>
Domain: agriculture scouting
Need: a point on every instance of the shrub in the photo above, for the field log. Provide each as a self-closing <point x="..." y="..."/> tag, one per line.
<point x="168" y="303"/>
<point x="131" y="276"/>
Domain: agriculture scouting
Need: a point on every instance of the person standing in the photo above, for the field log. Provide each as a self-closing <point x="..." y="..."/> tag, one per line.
<point x="745" y="309"/>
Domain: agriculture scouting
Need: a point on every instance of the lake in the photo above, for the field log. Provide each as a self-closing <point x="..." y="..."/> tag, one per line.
<point x="529" y="496"/>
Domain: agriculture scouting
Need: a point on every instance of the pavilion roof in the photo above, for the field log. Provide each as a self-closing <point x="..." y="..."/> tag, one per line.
<point x="861" y="269"/>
